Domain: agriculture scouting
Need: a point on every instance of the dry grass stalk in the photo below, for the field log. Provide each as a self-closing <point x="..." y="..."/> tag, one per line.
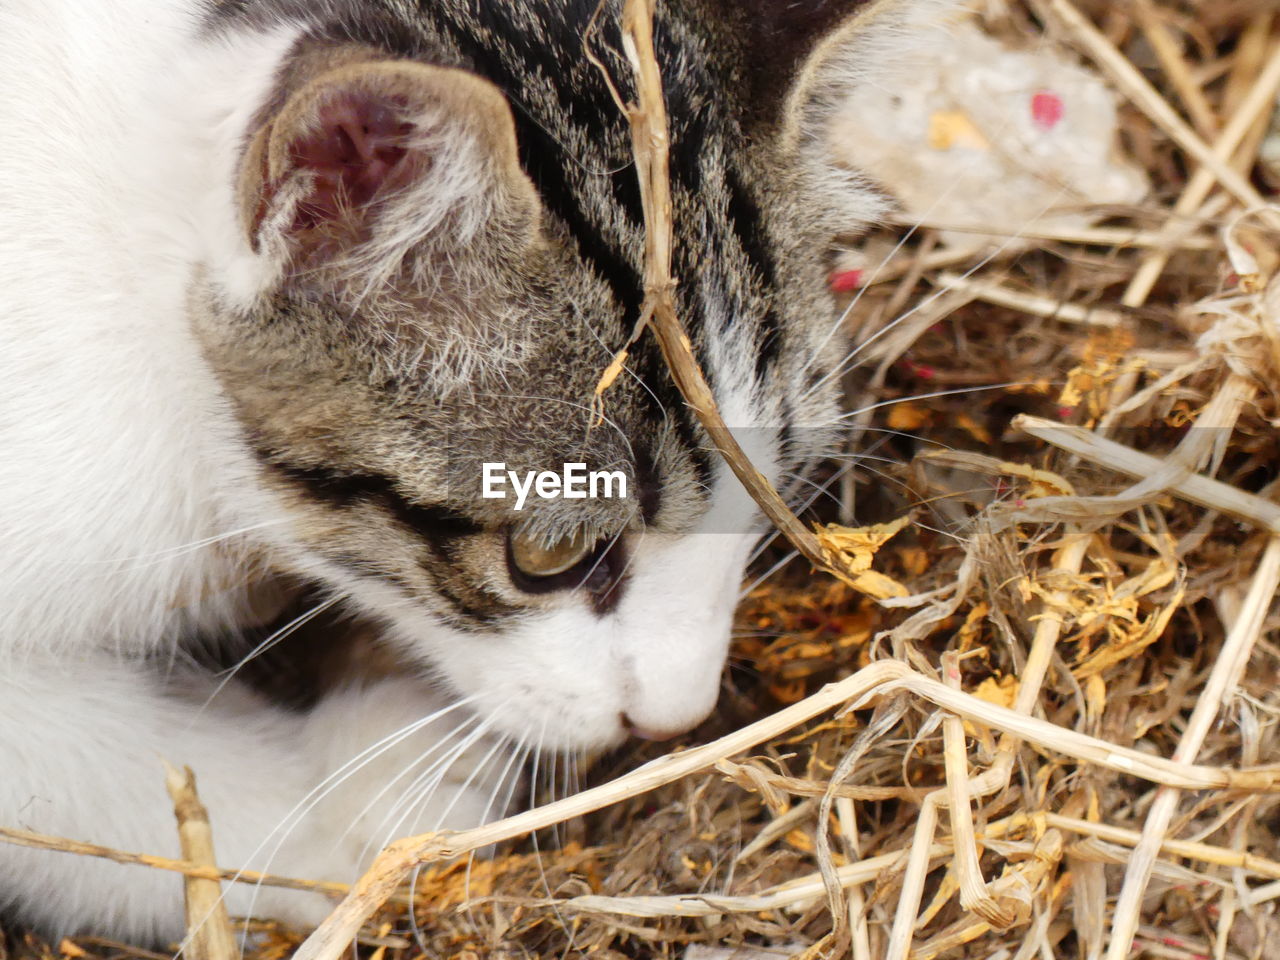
<point x="859" y="932"/>
<point x="1251" y="52"/>
<point x="801" y="890"/>
<point x="1218" y="418"/>
<point x="1169" y="53"/>
<point x="209" y="934"/>
<point x="1222" y="682"/>
<point x="651" y="140"/>
<point x="1255" y="107"/>
<point x="1069" y="559"/>
<point x="793" y="893"/>
<point x="1144" y="96"/>
<point x="879" y="679"/>
<point x="975" y="897"/>
<point x="188" y="868"/>
<point x="896" y="270"/>
<point x="1196" y="488"/>
<point x="1037" y="306"/>
<point x="1089" y="236"/>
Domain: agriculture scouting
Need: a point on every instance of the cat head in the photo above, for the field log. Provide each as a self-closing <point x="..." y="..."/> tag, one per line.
<point x="440" y="251"/>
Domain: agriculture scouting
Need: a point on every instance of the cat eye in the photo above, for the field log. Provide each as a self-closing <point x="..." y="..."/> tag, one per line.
<point x="534" y="558"/>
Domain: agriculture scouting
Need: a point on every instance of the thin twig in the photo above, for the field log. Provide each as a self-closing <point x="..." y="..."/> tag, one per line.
<point x="650" y="140"/>
<point x="42" y="841"/>
<point x="209" y="933"/>
<point x="1195" y="487"/>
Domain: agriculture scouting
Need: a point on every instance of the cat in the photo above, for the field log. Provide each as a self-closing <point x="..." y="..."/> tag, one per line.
<point x="277" y="279"/>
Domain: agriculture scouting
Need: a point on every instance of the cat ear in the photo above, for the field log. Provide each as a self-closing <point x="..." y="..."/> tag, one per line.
<point x="371" y="158"/>
<point x="866" y="56"/>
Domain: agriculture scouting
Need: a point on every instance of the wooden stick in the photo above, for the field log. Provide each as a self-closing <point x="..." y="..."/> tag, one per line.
<point x="209" y="934"/>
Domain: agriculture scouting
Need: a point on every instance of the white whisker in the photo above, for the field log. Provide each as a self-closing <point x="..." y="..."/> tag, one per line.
<point x="499" y="745"/>
<point x="411" y="791"/>
<point x="289" y="822"/>
<point x="297" y="622"/>
<point x="959" y="391"/>
<point x="154" y="557"/>
<point x="851" y="357"/>
<point x="421" y="790"/>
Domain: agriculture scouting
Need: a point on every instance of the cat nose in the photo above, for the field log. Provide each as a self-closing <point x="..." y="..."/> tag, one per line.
<point x="648" y="733"/>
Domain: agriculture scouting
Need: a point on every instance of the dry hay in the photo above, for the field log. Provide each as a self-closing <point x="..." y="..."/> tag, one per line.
<point x="1081" y="427"/>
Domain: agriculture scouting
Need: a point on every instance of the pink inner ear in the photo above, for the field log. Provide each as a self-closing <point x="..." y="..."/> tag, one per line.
<point x="357" y="151"/>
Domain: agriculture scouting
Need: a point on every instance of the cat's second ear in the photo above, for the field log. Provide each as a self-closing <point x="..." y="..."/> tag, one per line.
<point x="868" y="56"/>
<point x="371" y="157"/>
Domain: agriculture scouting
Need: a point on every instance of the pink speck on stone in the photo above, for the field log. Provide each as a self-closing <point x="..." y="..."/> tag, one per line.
<point x="1046" y="109"/>
<point x="846" y="281"/>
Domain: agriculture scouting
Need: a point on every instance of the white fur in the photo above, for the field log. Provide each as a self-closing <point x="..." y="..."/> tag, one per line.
<point x="122" y="468"/>
<point x="111" y="195"/>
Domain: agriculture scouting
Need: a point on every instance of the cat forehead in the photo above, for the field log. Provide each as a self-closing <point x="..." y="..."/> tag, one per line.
<point x="558" y="63"/>
<point x="507" y="341"/>
<point x="572" y="138"/>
